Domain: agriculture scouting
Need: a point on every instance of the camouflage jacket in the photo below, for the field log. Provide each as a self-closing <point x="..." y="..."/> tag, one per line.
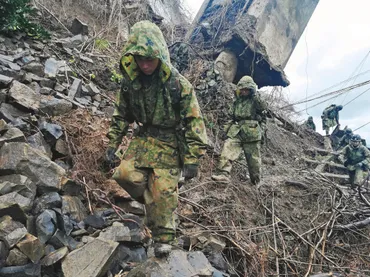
<point x="354" y="156"/>
<point x="310" y="125"/>
<point x="167" y="105"/>
<point x="331" y="113"/>
<point x="249" y="116"/>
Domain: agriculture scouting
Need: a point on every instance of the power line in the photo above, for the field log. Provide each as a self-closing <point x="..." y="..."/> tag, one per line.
<point x="340" y="91"/>
<point x="361" y="126"/>
<point x="356" y="97"/>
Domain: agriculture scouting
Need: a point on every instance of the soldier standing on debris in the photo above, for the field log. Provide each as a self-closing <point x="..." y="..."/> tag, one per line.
<point x="356" y="158"/>
<point x="330" y="117"/>
<point x="245" y="132"/>
<point x="345" y="140"/>
<point x="171" y="129"/>
<point x="309" y="124"/>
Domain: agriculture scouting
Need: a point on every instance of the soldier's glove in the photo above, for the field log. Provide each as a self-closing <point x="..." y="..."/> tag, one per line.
<point x="190" y="171"/>
<point x="110" y="157"/>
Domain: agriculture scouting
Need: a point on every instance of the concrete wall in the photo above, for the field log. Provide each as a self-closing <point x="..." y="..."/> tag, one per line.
<point x="280" y="23"/>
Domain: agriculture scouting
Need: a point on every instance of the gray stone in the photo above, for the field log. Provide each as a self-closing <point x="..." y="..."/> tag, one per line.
<point x="28" y="59"/>
<point x="30" y="77"/>
<point x="65" y="224"/>
<point x="152" y="268"/>
<point x="70" y="187"/>
<point x="24" y="96"/>
<point x="55" y="256"/>
<point x="75" y="89"/>
<point x="3" y="95"/>
<point x="13" y="209"/>
<point x="117" y="232"/>
<point x="218" y="261"/>
<point x="60" y="88"/>
<point x="61" y="148"/>
<point x="200" y="264"/>
<point x="51" y="68"/>
<point x="37" y="141"/>
<point x="97" y="97"/>
<point x="29" y="270"/>
<point x="75" y="103"/>
<point x="22" y="158"/>
<point x="73" y="41"/>
<point x="78" y="27"/>
<point x="20" y="124"/>
<point x="21" y="54"/>
<point x="47" y="201"/>
<point x="133" y="207"/>
<point x="127" y="255"/>
<point x="17" y="75"/>
<point x="4" y="252"/>
<point x="83" y="100"/>
<point x="91" y="260"/>
<point x="60" y="239"/>
<point x="47" y="83"/>
<point x="12" y="135"/>
<point x="51" y="131"/>
<point x="5" y="81"/>
<point x="49" y="249"/>
<point x="72" y="206"/>
<point x="35" y="68"/>
<point x="16" y="258"/>
<point x="45" y="91"/>
<point x="7" y="58"/>
<point x="9" y="113"/>
<point x="95" y="221"/>
<point x="11" y="231"/>
<point x="7" y="201"/>
<point x="35" y="87"/>
<point x="46" y="225"/>
<point x="54" y="106"/>
<point x="31" y="247"/>
<point x="8" y="61"/>
<point x="215" y="244"/>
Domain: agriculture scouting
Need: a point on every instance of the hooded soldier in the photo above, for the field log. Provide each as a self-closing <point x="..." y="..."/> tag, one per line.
<point x="171" y="136"/>
<point x="309" y="124"/>
<point x="330" y="117"/>
<point x="356" y="158"/>
<point x="245" y="132"/>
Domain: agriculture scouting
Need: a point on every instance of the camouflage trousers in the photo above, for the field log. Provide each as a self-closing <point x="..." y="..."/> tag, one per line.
<point x="327" y="123"/>
<point x="231" y="151"/>
<point x="157" y="189"/>
<point x="356" y="177"/>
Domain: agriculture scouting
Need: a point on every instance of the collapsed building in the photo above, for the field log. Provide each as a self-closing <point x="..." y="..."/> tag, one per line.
<point x="251" y="37"/>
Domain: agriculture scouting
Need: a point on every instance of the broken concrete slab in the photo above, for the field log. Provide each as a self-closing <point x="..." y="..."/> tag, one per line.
<point x="75" y="89"/>
<point x="31" y="247"/>
<point x="91" y="260"/>
<point x="54" y="106"/>
<point x="78" y="27"/>
<point x="16" y="258"/>
<point x="46" y="225"/>
<point x="11" y="231"/>
<point x="24" y="96"/>
<point x="21" y="158"/>
<point x="5" y="81"/>
<point x="72" y="206"/>
<point x="37" y="141"/>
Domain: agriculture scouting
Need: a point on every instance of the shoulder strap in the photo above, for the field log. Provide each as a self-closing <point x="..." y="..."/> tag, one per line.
<point x="173" y="86"/>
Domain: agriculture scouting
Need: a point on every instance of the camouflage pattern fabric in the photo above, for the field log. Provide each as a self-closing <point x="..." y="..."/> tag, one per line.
<point x="330" y="117"/>
<point x="309" y="124"/>
<point x="249" y="115"/>
<point x="358" y="160"/>
<point x="157" y="189"/>
<point x="231" y="151"/>
<point x="151" y="102"/>
<point x="345" y="140"/>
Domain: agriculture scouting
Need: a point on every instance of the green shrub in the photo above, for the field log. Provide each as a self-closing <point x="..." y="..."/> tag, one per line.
<point x="15" y="16"/>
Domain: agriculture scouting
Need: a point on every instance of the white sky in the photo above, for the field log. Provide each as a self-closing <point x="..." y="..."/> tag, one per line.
<point x="331" y="50"/>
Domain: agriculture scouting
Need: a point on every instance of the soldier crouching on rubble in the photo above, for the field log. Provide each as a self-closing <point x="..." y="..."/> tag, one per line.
<point x="171" y="135"/>
<point x="309" y="124"/>
<point x="356" y="158"/>
<point x="245" y="132"/>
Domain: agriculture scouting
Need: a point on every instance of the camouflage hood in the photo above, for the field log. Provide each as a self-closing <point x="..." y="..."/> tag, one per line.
<point x="147" y="40"/>
<point x="246" y="82"/>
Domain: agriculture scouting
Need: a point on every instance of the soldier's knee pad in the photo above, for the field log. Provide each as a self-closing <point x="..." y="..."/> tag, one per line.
<point x="131" y="179"/>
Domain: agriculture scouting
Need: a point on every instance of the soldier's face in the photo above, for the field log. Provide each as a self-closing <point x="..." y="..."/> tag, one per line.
<point x="147" y="65"/>
<point x="355" y="144"/>
<point x="245" y="92"/>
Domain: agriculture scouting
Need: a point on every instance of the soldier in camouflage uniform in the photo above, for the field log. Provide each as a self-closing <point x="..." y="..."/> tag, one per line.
<point x="345" y="140"/>
<point x="356" y="158"/>
<point x="245" y="132"/>
<point x="309" y="124"/>
<point x="330" y="117"/>
<point x="171" y="135"/>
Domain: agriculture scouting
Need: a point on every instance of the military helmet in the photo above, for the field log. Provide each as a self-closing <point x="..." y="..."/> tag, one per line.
<point x="356" y="138"/>
<point x="348" y="131"/>
<point x="310" y="118"/>
<point x="340" y="107"/>
<point x="247" y="82"/>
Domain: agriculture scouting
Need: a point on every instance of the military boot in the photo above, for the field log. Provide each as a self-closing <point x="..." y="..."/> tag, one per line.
<point x="221" y="178"/>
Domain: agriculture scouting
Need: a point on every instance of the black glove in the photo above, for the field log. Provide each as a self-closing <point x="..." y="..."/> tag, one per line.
<point x="346" y="163"/>
<point x="110" y="156"/>
<point x="190" y="171"/>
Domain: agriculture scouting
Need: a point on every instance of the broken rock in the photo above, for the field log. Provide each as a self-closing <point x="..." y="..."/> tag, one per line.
<point x="91" y="260"/>
<point x="54" y="257"/>
<point x="16" y="258"/>
<point x="31" y="247"/>
<point x="47" y="201"/>
<point x="200" y="263"/>
<point x="29" y="270"/>
<point x="35" y="68"/>
<point x="75" y="89"/>
<point x="4" y="252"/>
<point x="50" y="131"/>
<point x="11" y="231"/>
<point x="54" y="106"/>
<point x="78" y="27"/>
<point x="72" y="206"/>
<point x="10" y="113"/>
<point x="37" y="141"/>
<point x="21" y="158"/>
<point x="24" y="96"/>
<point x="46" y="225"/>
<point x="5" y="81"/>
<point x="117" y="232"/>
